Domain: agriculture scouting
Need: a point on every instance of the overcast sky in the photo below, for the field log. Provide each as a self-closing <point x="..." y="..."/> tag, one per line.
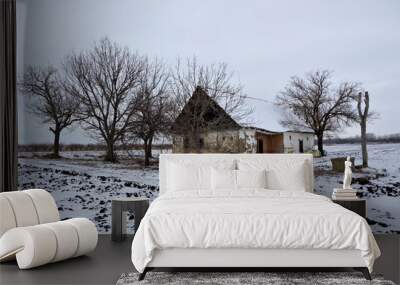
<point x="263" y="42"/>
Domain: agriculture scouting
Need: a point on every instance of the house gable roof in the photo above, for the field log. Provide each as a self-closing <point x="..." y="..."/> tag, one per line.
<point x="205" y="112"/>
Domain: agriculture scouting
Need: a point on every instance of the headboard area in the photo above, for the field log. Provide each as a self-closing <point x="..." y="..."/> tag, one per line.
<point x="281" y="164"/>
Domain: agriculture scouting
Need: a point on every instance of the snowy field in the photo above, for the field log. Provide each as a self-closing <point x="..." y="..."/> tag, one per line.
<point x="379" y="185"/>
<point x="83" y="185"/>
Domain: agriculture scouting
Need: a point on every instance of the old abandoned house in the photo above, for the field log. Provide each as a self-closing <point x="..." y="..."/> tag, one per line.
<point x="204" y="126"/>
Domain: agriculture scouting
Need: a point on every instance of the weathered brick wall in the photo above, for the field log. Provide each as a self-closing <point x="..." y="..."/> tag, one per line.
<point x="238" y="141"/>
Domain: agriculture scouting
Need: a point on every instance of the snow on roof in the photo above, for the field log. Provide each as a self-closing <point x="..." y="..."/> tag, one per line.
<point x="275" y="132"/>
<point x="261" y="130"/>
<point x="300" y="132"/>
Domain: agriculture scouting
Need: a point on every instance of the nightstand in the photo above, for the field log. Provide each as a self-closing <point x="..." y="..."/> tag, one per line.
<point x="358" y="206"/>
<point x="120" y="206"/>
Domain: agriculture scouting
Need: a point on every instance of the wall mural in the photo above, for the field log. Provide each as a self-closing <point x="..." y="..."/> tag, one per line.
<point x="129" y="108"/>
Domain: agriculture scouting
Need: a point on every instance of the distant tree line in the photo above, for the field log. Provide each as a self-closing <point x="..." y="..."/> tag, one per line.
<point x="86" y="147"/>
<point x="371" y="138"/>
<point x="119" y="97"/>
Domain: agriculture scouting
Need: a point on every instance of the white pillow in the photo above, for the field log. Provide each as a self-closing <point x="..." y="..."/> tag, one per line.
<point x="182" y="177"/>
<point x="227" y="179"/>
<point x="185" y="174"/>
<point x="251" y="178"/>
<point x="223" y="179"/>
<point x="282" y="174"/>
<point x="291" y="178"/>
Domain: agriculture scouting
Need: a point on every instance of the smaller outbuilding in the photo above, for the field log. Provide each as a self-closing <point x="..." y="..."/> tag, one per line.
<point x="298" y="141"/>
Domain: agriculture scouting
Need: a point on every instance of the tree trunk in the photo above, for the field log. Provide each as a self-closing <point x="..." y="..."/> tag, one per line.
<point x="150" y="147"/>
<point x="363" y="117"/>
<point x="148" y="143"/>
<point x="56" y="144"/>
<point x="364" y="150"/>
<point x="110" y="155"/>
<point x="320" y="142"/>
<point x="146" y="152"/>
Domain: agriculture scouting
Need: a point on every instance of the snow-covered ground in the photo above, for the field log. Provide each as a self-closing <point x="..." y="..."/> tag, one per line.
<point x="85" y="189"/>
<point x="83" y="185"/>
<point x="379" y="185"/>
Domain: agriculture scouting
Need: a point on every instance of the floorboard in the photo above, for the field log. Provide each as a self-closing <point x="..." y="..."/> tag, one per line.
<point x="103" y="266"/>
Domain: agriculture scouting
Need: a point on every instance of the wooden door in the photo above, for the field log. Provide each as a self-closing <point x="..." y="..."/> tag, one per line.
<point x="260" y="146"/>
<point x="301" y="146"/>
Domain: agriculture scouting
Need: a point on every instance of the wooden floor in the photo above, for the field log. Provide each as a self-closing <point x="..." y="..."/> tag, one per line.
<point x="111" y="259"/>
<point x="103" y="266"/>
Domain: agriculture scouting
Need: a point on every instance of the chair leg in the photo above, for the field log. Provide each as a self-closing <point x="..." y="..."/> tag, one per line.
<point x="364" y="271"/>
<point x="142" y="275"/>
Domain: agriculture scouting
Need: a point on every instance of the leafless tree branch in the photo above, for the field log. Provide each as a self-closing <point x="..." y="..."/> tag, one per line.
<point x="217" y="82"/>
<point x="154" y="116"/>
<point x="104" y="80"/>
<point x="314" y="103"/>
<point x="51" y="101"/>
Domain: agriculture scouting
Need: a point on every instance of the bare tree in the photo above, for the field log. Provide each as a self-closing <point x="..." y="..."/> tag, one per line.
<point x="364" y="115"/>
<point x="104" y="80"/>
<point x="314" y="103"/>
<point x="154" y="115"/>
<point x="215" y="80"/>
<point x="51" y="102"/>
<point x="217" y="83"/>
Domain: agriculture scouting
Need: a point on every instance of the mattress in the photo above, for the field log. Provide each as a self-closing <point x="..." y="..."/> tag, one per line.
<point x="250" y="219"/>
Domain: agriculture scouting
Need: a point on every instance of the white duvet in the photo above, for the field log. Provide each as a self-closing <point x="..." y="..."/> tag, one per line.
<point x="250" y="219"/>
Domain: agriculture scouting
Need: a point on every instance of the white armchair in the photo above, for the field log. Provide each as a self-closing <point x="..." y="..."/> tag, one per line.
<point x="32" y="233"/>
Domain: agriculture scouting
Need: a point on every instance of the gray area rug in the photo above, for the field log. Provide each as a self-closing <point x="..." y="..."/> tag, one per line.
<point x="225" y="278"/>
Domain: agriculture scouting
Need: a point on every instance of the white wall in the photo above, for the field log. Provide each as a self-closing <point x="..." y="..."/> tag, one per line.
<point x="291" y="141"/>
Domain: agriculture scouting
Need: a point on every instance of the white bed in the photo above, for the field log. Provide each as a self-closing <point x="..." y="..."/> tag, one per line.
<point x="288" y="226"/>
